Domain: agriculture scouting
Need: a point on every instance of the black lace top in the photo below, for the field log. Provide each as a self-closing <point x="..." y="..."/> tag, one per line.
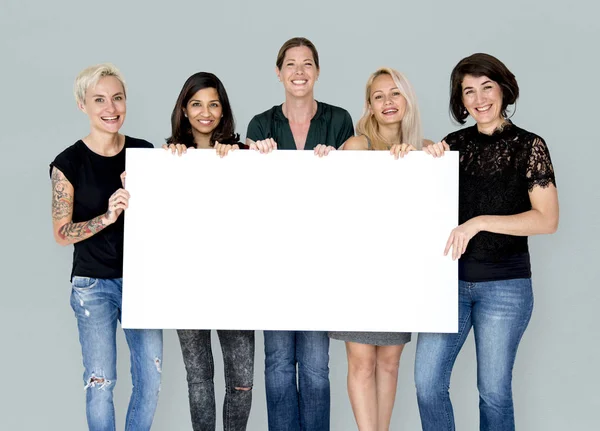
<point x="496" y="174"/>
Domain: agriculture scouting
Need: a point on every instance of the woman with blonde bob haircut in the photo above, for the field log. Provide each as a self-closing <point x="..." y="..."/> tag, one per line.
<point x="390" y="121"/>
<point x="88" y="198"/>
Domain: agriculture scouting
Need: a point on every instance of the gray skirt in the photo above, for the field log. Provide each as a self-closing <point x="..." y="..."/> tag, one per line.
<point x="374" y="338"/>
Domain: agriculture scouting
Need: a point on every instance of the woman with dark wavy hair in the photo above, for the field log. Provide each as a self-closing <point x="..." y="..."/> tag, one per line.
<point x="202" y="118"/>
<point x="507" y="192"/>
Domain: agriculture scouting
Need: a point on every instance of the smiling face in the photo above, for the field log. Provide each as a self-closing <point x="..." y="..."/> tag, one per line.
<point x="482" y="98"/>
<point x="386" y="103"/>
<point x="204" y="111"/>
<point x="105" y="105"/>
<point x="298" y="71"/>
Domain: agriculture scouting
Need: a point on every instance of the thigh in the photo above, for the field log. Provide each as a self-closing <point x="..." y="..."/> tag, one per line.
<point x="280" y="346"/>
<point x="96" y="312"/>
<point x="361" y="355"/>
<point x="145" y="348"/>
<point x="238" y="356"/>
<point x="197" y="353"/>
<point x="501" y="313"/>
<point x="437" y="352"/>
<point x="312" y="349"/>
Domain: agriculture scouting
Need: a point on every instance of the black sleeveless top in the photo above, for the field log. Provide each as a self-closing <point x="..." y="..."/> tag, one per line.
<point x="497" y="172"/>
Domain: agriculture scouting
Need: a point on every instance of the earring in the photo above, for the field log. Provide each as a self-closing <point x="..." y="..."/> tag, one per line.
<point x="185" y="115"/>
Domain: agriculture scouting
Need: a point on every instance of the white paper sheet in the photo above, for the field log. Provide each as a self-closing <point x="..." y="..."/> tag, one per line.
<point x="352" y="241"/>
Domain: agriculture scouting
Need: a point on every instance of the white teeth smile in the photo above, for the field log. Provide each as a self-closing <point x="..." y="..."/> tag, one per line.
<point x="206" y="122"/>
<point x="299" y="82"/>
<point x="110" y="118"/>
<point x="390" y="111"/>
<point x="484" y="109"/>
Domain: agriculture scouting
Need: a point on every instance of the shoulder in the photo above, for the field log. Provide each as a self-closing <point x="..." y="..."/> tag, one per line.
<point x="266" y="115"/>
<point x="71" y="154"/>
<point x="131" y="142"/>
<point x="69" y="160"/>
<point x="527" y="137"/>
<point x="357" y="143"/>
<point x="335" y="112"/>
<point x="456" y="138"/>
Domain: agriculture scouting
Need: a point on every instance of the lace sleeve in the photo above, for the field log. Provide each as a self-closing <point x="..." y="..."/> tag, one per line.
<point x="539" y="170"/>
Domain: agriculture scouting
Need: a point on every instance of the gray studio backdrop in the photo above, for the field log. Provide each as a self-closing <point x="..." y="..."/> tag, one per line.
<point x="551" y="47"/>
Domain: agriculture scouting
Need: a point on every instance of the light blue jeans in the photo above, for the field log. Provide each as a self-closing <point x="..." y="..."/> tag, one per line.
<point x="97" y="307"/>
<point x="303" y="405"/>
<point x="499" y="312"/>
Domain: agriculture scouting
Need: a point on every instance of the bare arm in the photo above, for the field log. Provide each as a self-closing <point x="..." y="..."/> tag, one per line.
<point x="541" y="219"/>
<point x="65" y="231"/>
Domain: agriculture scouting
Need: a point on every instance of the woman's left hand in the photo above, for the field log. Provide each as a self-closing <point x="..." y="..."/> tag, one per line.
<point x="223" y="149"/>
<point x="400" y="150"/>
<point x="322" y="150"/>
<point x="460" y="237"/>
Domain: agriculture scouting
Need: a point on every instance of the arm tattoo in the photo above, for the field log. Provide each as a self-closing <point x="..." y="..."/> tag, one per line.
<point x="62" y="201"/>
<point x="75" y="232"/>
<point x="62" y="206"/>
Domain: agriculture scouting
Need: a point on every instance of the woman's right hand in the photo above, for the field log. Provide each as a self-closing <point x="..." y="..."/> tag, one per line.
<point x="437" y="150"/>
<point x="265" y="146"/>
<point x="175" y="148"/>
<point x="117" y="203"/>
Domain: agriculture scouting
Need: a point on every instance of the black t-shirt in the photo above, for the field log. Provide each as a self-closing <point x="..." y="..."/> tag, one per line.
<point x="496" y="174"/>
<point x="94" y="179"/>
<point x="331" y="125"/>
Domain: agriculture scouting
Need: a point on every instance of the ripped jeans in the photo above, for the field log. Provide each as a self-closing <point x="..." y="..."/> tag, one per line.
<point x="238" y="361"/>
<point x="97" y="306"/>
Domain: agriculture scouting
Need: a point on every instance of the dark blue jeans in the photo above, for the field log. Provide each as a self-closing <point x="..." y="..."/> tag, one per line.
<point x="499" y="312"/>
<point x="97" y="306"/>
<point x="303" y="404"/>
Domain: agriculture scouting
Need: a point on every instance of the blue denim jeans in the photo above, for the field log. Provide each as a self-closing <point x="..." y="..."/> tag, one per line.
<point x="303" y="404"/>
<point x="97" y="307"/>
<point x="499" y="312"/>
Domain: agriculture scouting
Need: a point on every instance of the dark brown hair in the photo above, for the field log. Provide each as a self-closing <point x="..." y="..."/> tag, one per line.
<point x="481" y="65"/>
<point x="181" y="130"/>
<point x="293" y="43"/>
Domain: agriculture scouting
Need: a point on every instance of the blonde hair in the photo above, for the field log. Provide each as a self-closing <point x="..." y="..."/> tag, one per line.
<point x="90" y="76"/>
<point x="410" y="128"/>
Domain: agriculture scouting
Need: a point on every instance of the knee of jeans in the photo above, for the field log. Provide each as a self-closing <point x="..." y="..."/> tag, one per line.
<point x="495" y="391"/>
<point x="430" y="386"/>
<point x="320" y="369"/>
<point x="99" y="382"/>
<point x="280" y="362"/>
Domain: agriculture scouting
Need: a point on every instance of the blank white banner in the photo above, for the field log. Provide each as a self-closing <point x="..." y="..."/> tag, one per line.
<point x="352" y="241"/>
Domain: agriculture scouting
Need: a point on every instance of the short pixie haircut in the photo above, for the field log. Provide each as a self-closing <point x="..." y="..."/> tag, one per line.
<point x="90" y="76"/>
<point x="294" y="43"/>
<point x="481" y="65"/>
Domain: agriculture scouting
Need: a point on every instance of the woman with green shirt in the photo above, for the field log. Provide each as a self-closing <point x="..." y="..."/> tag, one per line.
<point x="296" y="402"/>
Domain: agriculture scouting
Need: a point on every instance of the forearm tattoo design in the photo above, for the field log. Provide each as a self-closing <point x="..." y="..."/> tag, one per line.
<point x="62" y="206"/>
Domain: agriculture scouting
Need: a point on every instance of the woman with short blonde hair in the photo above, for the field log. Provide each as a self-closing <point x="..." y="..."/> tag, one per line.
<point x="88" y="198"/>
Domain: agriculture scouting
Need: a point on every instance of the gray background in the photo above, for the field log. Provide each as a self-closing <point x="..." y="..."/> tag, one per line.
<point x="551" y="47"/>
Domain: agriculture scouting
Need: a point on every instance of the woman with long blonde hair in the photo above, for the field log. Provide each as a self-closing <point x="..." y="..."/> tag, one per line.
<point x="390" y="122"/>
